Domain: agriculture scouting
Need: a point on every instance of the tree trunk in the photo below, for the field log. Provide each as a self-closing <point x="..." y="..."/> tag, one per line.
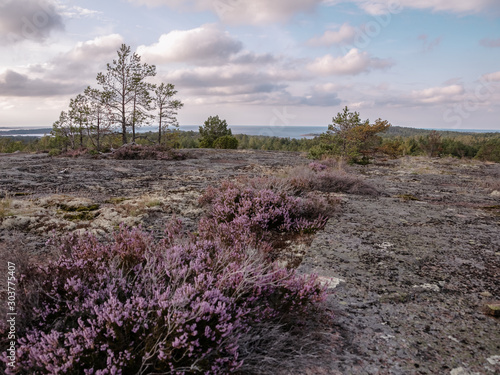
<point x="98" y="133"/>
<point x="159" y="130"/>
<point x="133" y="118"/>
<point x="124" y="119"/>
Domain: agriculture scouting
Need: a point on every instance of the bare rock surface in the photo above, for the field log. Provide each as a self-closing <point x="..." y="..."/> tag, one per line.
<point x="412" y="270"/>
<point x="418" y="271"/>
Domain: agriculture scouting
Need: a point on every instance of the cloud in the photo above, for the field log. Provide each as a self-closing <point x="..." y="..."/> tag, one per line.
<point x="67" y="73"/>
<point x="231" y="75"/>
<point x="354" y="62"/>
<point x="427" y="44"/>
<point x="16" y="84"/>
<point x="206" y="44"/>
<point x="93" y="50"/>
<point x="247" y="57"/>
<point x="321" y="99"/>
<point x="256" y="12"/>
<point x="487" y="42"/>
<point x="378" y="7"/>
<point x="438" y="95"/>
<point x="83" y="60"/>
<point x="28" y="20"/>
<point x="344" y="35"/>
<point x="78" y="12"/>
<point x="491" y="77"/>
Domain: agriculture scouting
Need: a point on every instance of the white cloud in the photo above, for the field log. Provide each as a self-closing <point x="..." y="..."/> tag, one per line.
<point x="254" y="12"/>
<point x="205" y="44"/>
<point x="438" y="95"/>
<point x="344" y="35"/>
<point x="67" y="73"/>
<point x="354" y="62"/>
<point x="492" y="77"/>
<point x="377" y="7"/>
<point x="78" y="12"/>
<point x="93" y="50"/>
<point x="231" y="75"/>
<point x="83" y="61"/>
<point x="28" y="20"/>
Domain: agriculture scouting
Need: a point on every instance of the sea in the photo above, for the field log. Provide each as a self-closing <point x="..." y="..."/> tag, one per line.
<point x="296" y="132"/>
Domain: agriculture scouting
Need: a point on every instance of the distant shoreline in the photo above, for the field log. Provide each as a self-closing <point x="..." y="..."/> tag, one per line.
<point x="252" y="130"/>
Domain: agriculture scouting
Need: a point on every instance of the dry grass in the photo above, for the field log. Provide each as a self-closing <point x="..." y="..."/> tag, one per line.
<point x="331" y="180"/>
<point x="491" y="183"/>
<point x="278" y="349"/>
<point x="5" y="205"/>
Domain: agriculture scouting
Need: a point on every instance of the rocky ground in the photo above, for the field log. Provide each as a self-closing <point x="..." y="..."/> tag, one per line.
<point x="415" y="267"/>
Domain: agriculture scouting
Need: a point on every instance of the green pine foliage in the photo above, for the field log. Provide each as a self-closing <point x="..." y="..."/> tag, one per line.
<point x="212" y="129"/>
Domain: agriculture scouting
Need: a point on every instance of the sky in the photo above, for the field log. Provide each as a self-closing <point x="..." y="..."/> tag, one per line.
<point x="272" y="63"/>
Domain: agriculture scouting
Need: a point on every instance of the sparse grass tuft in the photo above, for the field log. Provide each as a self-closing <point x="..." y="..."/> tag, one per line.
<point x="407" y="197"/>
<point x="5" y="205"/>
<point x="116" y="200"/>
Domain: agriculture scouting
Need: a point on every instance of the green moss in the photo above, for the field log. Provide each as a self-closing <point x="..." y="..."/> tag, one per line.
<point x="66" y="208"/>
<point x="84" y="215"/>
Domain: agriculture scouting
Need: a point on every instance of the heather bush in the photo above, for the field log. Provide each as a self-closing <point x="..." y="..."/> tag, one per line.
<point x="260" y="209"/>
<point x="142" y="152"/>
<point x="136" y="304"/>
<point x="315" y="166"/>
<point x="74" y="153"/>
<point x="329" y="176"/>
<point x="320" y="177"/>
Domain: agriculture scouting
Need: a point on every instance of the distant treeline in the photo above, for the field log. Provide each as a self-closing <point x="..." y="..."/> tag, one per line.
<point x="400" y="131"/>
<point x="25" y="131"/>
<point x="396" y="141"/>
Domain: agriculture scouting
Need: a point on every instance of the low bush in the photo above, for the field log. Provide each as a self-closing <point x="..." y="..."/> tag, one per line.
<point x="76" y="153"/>
<point x="226" y="142"/>
<point x="140" y="305"/>
<point x="490" y="150"/>
<point x="260" y="209"/>
<point x="305" y="179"/>
<point x="141" y="152"/>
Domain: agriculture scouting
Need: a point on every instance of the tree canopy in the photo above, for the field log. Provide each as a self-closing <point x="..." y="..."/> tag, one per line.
<point x="350" y="137"/>
<point x="212" y="129"/>
<point x="124" y="101"/>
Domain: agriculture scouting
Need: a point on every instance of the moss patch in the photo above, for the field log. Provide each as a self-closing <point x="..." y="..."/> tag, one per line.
<point x="67" y="208"/>
<point x="83" y="215"/>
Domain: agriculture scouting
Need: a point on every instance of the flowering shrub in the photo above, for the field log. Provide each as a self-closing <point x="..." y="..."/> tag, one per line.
<point x="319" y="177"/>
<point x="260" y="209"/>
<point x="315" y="166"/>
<point x="76" y="153"/>
<point x="140" y="305"/>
